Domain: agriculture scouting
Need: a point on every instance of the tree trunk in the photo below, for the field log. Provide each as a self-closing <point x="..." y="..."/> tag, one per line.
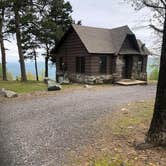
<point x="157" y="131"/>
<point x="46" y="61"/>
<point x="3" y="53"/>
<point x="46" y="66"/>
<point x="18" y="38"/>
<point x="36" y="67"/>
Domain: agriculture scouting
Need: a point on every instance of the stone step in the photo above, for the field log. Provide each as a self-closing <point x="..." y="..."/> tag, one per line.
<point x="129" y="82"/>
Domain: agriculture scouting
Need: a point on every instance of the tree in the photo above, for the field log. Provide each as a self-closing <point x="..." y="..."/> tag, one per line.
<point x="32" y="54"/>
<point x="29" y="40"/>
<point x="36" y="23"/>
<point x="54" y="22"/>
<point x="15" y="13"/>
<point x="17" y="6"/>
<point x="3" y="53"/>
<point x="157" y="131"/>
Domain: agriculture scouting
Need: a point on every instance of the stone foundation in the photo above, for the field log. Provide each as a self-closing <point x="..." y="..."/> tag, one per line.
<point x="100" y="79"/>
<point x="143" y="76"/>
<point x="90" y="79"/>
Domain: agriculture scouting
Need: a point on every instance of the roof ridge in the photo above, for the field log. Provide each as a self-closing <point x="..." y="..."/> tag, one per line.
<point x="75" y="25"/>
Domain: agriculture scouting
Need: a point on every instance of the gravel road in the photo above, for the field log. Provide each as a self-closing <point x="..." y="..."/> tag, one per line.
<point x="40" y="131"/>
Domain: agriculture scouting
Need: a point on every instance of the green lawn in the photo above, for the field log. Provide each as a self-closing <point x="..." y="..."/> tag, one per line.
<point x="32" y="86"/>
<point x="23" y="87"/>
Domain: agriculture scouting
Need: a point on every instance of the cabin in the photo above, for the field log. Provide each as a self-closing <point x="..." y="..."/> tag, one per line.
<point x="96" y="55"/>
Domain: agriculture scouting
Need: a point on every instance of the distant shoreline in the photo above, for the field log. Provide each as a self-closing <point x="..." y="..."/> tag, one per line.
<point x="14" y="68"/>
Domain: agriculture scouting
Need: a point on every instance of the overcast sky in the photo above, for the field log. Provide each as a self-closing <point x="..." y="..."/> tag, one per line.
<point x="106" y="14"/>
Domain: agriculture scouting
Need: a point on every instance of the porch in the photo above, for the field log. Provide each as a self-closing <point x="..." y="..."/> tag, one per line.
<point x="129" y="82"/>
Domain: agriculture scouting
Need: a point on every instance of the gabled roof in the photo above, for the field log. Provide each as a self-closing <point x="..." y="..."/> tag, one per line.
<point x="104" y="41"/>
<point x="100" y="40"/>
<point x="144" y="50"/>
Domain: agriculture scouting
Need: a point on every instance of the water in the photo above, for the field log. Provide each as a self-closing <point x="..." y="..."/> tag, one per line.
<point x="14" y="68"/>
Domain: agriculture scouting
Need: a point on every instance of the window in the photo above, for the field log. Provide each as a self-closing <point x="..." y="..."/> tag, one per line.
<point x="113" y="65"/>
<point x="103" y="64"/>
<point x="80" y="64"/>
<point x="62" y="64"/>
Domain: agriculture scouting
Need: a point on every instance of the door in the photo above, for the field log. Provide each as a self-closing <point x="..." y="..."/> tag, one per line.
<point x="128" y="64"/>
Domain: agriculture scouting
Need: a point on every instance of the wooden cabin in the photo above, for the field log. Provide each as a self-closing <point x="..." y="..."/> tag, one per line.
<point x="96" y="55"/>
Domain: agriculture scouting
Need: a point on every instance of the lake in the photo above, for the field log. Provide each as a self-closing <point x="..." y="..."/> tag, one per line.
<point x="14" y="68"/>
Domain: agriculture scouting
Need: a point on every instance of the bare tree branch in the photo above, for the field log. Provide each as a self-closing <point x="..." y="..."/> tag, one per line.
<point x="156" y="29"/>
<point x="152" y="5"/>
<point x="163" y="2"/>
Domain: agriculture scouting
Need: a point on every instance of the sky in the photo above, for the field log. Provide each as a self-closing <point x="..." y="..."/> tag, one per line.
<point x="105" y="14"/>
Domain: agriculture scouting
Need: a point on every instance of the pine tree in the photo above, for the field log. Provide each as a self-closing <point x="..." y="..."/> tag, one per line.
<point x="55" y="20"/>
<point x="16" y="10"/>
<point x="3" y="52"/>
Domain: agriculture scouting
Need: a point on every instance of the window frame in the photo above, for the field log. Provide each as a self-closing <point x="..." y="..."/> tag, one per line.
<point x="80" y="64"/>
<point x="61" y="61"/>
<point x="103" y="64"/>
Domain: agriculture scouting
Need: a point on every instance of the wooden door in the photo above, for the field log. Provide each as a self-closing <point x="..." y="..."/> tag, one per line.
<point x="128" y="63"/>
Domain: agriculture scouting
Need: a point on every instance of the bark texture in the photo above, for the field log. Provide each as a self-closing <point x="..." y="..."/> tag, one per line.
<point x="46" y="61"/>
<point x="36" y="67"/>
<point x="157" y="131"/>
<point x="18" y="38"/>
<point x="3" y="53"/>
<point x="46" y="66"/>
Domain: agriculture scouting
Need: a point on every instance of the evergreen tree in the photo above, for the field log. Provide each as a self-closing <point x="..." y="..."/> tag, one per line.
<point x="17" y="23"/>
<point x="54" y="22"/>
<point x="3" y="53"/>
<point x="36" y="24"/>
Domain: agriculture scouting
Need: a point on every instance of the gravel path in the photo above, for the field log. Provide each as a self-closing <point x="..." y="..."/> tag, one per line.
<point x="40" y="131"/>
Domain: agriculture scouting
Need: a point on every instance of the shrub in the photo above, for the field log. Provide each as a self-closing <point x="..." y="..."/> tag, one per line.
<point x="10" y="76"/>
<point x="154" y="74"/>
<point x="30" y="76"/>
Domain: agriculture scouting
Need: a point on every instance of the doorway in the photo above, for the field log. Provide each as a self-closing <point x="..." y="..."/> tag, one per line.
<point x="128" y="64"/>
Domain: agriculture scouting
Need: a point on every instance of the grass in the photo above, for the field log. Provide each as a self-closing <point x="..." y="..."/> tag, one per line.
<point x="152" y="82"/>
<point x="124" y="124"/>
<point x="132" y="115"/>
<point x="32" y="86"/>
<point x="116" y="134"/>
<point x="23" y="87"/>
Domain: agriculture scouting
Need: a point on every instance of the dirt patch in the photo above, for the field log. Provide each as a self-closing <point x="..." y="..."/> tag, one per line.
<point x="116" y="137"/>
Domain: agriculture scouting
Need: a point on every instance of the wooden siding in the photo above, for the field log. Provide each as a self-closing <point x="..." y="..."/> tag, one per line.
<point x="129" y="47"/>
<point x="71" y="48"/>
<point x="95" y="65"/>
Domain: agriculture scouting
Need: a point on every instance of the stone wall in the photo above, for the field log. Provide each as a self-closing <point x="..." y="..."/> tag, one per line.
<point x="108" y="78"/>
<point x="119" y="68"/>
<point x="135" y="73"/>
<point x="90" y="79"/>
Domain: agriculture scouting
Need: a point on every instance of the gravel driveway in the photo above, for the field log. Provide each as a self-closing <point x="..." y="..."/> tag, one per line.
<point x="40" y="131"/>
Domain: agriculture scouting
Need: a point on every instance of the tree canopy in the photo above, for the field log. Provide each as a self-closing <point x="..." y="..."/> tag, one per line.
<point x="36" y="24"/>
